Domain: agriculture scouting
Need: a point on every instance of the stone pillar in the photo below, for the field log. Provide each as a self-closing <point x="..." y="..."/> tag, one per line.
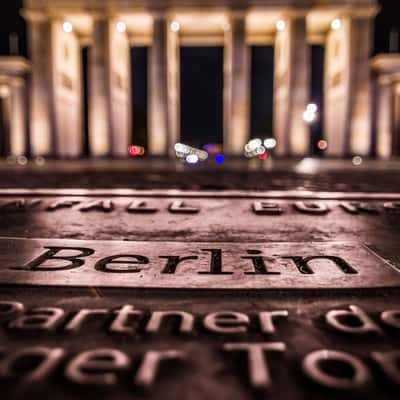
<point x="291" y="86"/>
<point x="110" y="100"/>
<point x="120" y="91"/>
<point x="361" y="88"/>
<point x="236" y="86"/>
<point x="18" y="124"/>
<point x="347" y="86"/>
<point x="42" y="118"/>
<point x="13" y="80"/>
<point x="384" y="117"/>
<point x="56" y="109"/>
<point x="158" y="88"/>
<point x="396" y="119"/>
<point x="5" y="115"/>
<point x="66" y="91"/>
<point x="173" y="66"/>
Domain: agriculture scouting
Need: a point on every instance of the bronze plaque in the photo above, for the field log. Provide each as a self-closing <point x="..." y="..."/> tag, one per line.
<point x="193" y="265"/>
<point x="199" y="295"/>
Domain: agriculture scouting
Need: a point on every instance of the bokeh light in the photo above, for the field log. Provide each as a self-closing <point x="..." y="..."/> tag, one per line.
<point x="270" y="143"/>
<point x="135" y="150"/>
<point x="121" y="26"/>
<point x="219" y="158"/>
<point x="280" y="25"/>
<point x="40" y="161"/>
<point x="175" y="26"/>
<point x="357" y="160"/>
<point x="192" y="159"/>
<point x="22" y="160"/>
<point x="67" y="27"/>
<point x="312" y="107"/>
<point x="322" y="144"/>
<point x="336" y="24"/>
<point x="262" y="156"/>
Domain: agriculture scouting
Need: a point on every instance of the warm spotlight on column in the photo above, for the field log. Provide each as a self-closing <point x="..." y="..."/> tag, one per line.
<point x="67" y="27"/>
<point x="280" y="25"/>
<point x="336" y="24"/>
<point x="121" y="26"/>
<point x="175" y="26"/>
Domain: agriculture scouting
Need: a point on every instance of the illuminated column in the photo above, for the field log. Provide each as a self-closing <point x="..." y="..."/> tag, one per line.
<point x="387" y="105"/>
<point x="347" y="85"/>
<point x="66" y="89"/>
<point x="110" y="102"/>
<point x="396" y="118"/>
<point x="42" y="119"/>
<point x="384" y="117"/>
<point x="120" y="89"/>
<point x="18" y="118"/>
<point x="236" y="86"/>
<point x="360" y="85"/>
<point x="291" y="85"/>
<point x="13" y="74"/>
<point x="99" y="100"/>
<point x="158" y="88"/>
<point x="173" y="66"/>
<point x="5" y="115"/>
<point x="56" y="110"/>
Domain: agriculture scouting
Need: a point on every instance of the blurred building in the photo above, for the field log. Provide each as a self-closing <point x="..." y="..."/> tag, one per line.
<point x="361" y="96"/>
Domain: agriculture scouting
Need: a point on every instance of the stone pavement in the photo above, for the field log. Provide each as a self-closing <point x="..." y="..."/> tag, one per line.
<point x="285" y="284"/>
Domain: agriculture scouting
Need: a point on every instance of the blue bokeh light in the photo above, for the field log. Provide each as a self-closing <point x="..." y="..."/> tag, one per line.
<point x="219" y="158"/>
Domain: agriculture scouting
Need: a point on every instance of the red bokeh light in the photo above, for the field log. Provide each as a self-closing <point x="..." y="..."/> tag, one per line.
<point x="322" y="144"/>
<point x="135" y="150"/>
<point x="262" y="156"/>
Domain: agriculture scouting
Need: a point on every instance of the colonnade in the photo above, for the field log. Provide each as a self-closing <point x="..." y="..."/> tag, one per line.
<point x="56" y="126"/>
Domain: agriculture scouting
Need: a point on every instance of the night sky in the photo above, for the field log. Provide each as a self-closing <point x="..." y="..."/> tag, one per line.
<point x="201" y="78"/>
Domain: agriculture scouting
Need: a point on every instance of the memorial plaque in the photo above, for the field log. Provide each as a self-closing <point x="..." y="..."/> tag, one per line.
<point x="233" y="295"/>
<point x="193" y="265"/>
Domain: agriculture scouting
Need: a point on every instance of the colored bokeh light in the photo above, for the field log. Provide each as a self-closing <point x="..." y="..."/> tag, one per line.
<point x="219" y="158"/>
<point x="262" y="156"/>
<point x="322" y="144"/>
<point x="135" y="151"/>
<point x="192" y="159"/>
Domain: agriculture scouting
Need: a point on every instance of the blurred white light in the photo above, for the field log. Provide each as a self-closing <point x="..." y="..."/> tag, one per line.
<point x="178" y="147"/>
<point x="312" y="107"/>
<point x="336" y="24"/>
<point x="357" y="160"/>
<point x="280" y="25"/>
<point x="253" y="144"/>
<point x="39" y="160"/>
<point x="270" y="143"/>
<point x="203" y="155"/>
<point x="260" y="150"/>
<point x="121" y="26"/>
<point x="67" y="27"/>
<point x="22" y="160"/>
<point x="175" y="26"/>
<point x="309" y="116"/>
<point x="192" y="159"/>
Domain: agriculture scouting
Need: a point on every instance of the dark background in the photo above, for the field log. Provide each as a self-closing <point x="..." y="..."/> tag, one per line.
<point x="202" y="79"/>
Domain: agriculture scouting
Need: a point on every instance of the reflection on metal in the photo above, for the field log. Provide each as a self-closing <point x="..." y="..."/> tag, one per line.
<point x="276" y="194"/>
<point x="195" y="265"/>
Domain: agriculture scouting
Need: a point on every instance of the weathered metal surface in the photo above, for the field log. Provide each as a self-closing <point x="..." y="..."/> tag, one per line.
<point x="194" y="265"/>
<point x="351" y="320"/>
